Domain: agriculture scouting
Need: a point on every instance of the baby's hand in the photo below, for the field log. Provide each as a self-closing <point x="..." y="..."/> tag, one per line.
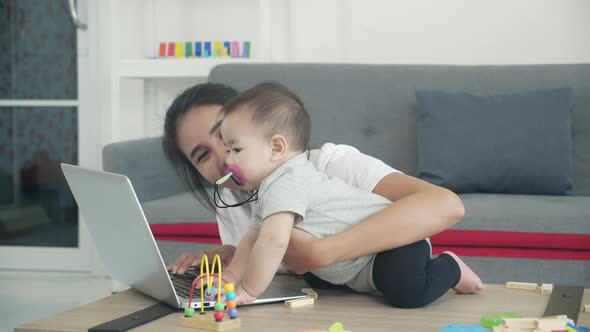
<point x="230" y="277"/>
<point x="242" y="297"/>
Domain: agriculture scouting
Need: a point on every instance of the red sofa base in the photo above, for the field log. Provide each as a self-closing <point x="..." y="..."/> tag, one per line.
<point x="462" y="242"/>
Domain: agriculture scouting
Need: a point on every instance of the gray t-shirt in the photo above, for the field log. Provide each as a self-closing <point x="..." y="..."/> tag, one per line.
<point x="323" y="206"/>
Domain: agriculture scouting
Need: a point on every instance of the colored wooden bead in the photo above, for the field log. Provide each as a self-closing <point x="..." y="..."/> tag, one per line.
<point x="218" y="316"/>
<point x="233" y="313"/>
<point x="219" y="306"/>
<point x="230" y="295"/>
<point x="229" y="287"/>
<point x="189" y="312"/>
<point x="210" y="294"/>
<point x="230" y="304"/>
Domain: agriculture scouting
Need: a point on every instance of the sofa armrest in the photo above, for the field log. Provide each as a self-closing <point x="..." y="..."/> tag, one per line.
<point x="144" y="163"/>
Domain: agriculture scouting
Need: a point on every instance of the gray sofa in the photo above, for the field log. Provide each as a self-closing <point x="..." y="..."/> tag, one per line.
<point x="372" y="107"/>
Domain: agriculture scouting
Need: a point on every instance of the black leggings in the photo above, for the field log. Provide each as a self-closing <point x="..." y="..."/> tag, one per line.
<point x="407" y="276"/>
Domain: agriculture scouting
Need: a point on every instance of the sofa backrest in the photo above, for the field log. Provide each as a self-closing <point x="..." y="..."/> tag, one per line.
<point x="372" y="107"/>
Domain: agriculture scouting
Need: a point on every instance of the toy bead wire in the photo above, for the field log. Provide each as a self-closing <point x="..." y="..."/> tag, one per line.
<point x="209" y="280"/>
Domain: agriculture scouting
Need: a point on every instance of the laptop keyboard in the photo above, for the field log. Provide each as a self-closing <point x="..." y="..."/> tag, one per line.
<point x="182" y="283"/>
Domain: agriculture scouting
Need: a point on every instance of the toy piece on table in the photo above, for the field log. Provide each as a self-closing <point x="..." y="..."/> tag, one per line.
<point x="463" y="328"/>
<point x="204" y="321"/>
<point x="521" y="285"/>
<point x="162" y="52"/>
<point x="573" y="328"/>
<point x="546" y="288"/>
<point x="557" y="323"/>
<point x="246" y="50"/>
<point x="521" y="323"/>
<point x="171" y="48"/>
<point x="188" y="49"/>
<point x="297" y="303"/>
<point x="490" y="321"/>
<point x="235" y="49"/>
<point x="553" y="323"/>
<point x="336" y="327"/>
<point x="310" y="292"/>
<point x="586" y="307"/>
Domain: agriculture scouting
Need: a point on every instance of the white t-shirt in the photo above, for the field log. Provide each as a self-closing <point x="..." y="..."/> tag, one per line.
<point x="342" y="161"/>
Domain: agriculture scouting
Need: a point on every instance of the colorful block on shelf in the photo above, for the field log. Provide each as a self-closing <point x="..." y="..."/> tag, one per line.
<point x="246" y="50"/>
<point x="188" y="49"/>
<point x="207" y="49"/>
<point x="235" y="49"/>
<point x="179" y="53"/>
<point x="217" y="49"/>
<point x="227" y="45"/>
<point x="171" y="48"/>
<point x="162" y="51"/>
<point x="198" y="49"/>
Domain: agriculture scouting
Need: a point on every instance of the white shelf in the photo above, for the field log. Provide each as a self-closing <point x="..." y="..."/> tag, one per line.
<point x="175" y="67"/>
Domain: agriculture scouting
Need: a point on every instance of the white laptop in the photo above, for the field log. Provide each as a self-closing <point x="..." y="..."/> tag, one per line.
<point x="125" y="243"/>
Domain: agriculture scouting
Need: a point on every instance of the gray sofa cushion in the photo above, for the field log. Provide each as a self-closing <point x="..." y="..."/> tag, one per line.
<point x="526" y="213"/>
<point x="518" y="143"/>
<point x="179" y="208"/>
<point x="372" y="106"/>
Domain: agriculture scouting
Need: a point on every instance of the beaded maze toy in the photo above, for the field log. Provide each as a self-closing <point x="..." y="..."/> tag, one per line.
<point x="204" y="320"/>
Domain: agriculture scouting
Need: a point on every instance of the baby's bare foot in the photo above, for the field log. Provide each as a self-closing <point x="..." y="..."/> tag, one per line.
<point x="469" y="281"/>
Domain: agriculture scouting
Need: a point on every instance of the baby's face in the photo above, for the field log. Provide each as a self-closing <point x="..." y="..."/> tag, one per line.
<point x="248" y="147"/>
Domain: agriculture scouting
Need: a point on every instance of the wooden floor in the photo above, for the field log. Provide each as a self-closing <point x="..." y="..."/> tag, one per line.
<point x="357" y="312"/>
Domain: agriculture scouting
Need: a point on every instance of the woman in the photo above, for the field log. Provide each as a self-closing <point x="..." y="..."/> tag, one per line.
<point x="192" y="144"/>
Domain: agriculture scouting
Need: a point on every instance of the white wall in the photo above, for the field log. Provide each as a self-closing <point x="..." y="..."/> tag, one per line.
<point x="355" y="31"/>
<point x="442" y="32"/>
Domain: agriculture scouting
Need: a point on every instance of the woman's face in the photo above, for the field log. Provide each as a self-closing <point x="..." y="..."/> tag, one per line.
<point x="203" y="147"/>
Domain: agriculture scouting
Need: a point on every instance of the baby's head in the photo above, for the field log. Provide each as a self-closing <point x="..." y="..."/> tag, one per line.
<point x="263" y="127"/>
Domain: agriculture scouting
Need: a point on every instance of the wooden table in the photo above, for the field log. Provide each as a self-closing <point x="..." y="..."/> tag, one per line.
<point x="357" y="312"/>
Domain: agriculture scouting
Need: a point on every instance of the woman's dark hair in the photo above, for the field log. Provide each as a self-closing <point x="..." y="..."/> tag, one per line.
<point x="198" y="95"/>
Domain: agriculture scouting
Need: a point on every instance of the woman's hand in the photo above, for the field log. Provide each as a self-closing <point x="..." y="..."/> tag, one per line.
<point x="189" y="259"/>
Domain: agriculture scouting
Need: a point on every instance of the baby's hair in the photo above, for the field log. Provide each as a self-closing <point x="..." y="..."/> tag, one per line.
<point x="278" y="108"/>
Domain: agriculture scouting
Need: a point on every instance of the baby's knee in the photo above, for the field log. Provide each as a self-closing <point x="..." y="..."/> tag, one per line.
<point x="407" y="300"/>
<point x="406" y="297"/>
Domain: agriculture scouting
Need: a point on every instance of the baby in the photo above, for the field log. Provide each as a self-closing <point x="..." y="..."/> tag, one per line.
<point x="267" y="130"/>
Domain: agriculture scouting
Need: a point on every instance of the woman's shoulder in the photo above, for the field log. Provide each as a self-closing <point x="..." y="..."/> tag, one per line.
<point x="350" y="165"/>
<point x="323" y="155"/>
